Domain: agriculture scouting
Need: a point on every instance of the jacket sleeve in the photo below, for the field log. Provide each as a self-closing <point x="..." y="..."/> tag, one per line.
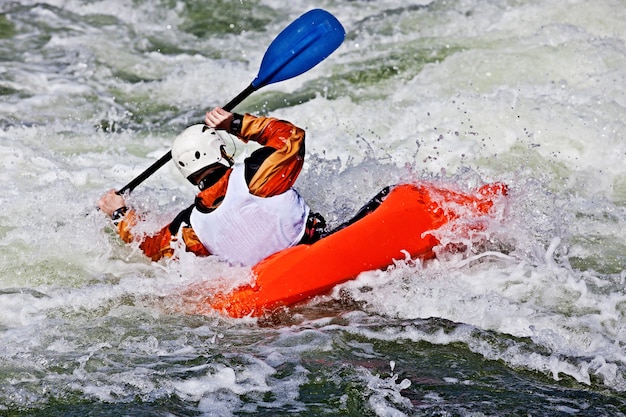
<point x="160" y="245"/>
<point x="278" y="164"/>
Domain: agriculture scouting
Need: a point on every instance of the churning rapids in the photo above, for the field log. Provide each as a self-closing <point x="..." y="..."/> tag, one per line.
<point x="530" y="320"/>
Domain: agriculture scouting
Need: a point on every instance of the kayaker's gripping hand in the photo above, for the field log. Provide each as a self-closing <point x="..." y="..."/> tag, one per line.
<point x="218" y="118"/>
<point x="112" y="204"/>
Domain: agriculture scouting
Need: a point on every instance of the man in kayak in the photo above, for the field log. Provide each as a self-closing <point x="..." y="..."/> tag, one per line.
<point x="243" y="212"/>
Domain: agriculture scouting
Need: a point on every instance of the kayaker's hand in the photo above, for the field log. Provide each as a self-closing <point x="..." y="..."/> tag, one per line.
<point x="218" y="118"/>
<point x="111" y="202"/>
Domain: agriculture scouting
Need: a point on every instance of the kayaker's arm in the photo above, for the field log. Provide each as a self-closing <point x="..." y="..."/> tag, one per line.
<point x="273" y="169"/>
<point x="158" y="245"/>
<point x="155" y="246"/>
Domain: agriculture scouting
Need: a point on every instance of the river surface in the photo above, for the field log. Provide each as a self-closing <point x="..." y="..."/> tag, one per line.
<point x="530" y="321"/>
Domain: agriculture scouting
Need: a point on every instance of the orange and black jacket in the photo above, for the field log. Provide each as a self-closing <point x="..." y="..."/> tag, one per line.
<point x="270" y="170"/>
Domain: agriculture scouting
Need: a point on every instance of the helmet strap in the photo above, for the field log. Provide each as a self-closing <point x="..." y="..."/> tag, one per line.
<point x="225" y="155"/>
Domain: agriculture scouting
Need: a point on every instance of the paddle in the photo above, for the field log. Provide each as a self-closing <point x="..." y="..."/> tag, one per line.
<point x="303" y="44"/>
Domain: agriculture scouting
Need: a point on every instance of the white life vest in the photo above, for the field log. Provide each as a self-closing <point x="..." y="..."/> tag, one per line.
<point x="245" y="228"/>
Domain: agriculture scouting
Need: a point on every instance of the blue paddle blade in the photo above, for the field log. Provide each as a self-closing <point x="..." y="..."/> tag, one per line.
<point x="303" y="44"/>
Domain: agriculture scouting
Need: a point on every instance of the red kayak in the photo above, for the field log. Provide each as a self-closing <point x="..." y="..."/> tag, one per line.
<point x="400" y="226"/>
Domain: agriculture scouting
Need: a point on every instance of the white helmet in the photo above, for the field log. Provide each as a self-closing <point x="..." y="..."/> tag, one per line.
<point x="199" y="146"/>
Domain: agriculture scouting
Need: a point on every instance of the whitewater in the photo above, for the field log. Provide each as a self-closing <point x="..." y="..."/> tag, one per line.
<point x="529" y="320"/>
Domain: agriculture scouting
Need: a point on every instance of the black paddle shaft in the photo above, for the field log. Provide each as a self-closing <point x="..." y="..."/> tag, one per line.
<point x="165" y="158"/>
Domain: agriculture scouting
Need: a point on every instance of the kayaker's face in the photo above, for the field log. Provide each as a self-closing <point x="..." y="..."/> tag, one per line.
<point x="208" y="176"/>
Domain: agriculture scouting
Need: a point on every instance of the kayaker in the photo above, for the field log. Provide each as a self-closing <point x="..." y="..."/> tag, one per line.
<point x="244" y="212"/>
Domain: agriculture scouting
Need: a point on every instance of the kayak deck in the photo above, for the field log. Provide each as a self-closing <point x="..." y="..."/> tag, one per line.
<point x="400" y="227"/>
